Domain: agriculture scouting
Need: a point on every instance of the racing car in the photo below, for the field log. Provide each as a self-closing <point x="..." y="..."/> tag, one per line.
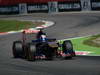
<point x="42" y="48"/>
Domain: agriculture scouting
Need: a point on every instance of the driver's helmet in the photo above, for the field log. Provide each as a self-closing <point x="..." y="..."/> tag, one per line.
<point x="43" y="38"/>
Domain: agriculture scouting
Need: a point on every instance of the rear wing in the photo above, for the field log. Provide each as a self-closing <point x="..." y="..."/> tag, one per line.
<point x="29" y="31"/>
<point x="28" y="35"/>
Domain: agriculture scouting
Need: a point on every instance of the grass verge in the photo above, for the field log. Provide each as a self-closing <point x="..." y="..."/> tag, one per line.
<point x="93" y="41"/>
<point x="84" y="44"/>
<point x="13" y="25"/>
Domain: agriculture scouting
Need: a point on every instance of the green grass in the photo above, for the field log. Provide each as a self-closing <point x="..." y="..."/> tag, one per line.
<point x="84" y="44"/>
<point x="90" y="41"/>
<point x="13" y="25"/>
<point x="80" y="46"/>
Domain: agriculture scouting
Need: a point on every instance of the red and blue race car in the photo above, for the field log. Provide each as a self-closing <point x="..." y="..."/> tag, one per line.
<point x="42" y="48"/>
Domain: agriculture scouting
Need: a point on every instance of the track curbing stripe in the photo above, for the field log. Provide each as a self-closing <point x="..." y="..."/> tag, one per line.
<point x="31" y="30"/>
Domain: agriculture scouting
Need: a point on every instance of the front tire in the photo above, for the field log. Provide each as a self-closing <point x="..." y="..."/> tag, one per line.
<point x="68" y="48"/>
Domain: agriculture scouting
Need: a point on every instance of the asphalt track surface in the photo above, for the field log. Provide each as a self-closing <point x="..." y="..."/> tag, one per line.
<point x="66" y="26"/>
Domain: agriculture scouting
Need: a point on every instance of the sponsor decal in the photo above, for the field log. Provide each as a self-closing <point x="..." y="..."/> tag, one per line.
<point x="69" y="6"/>
<point x="95" y="4"/>
<point x="37" y="7"/>
<point x="9" y="9"/>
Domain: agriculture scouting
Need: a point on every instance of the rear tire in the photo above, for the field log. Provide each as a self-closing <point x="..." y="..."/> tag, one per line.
<point x="30" y="52"/>
<point x="17" y="49"/>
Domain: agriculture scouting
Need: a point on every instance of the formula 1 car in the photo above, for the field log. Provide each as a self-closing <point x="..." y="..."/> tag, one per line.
<point x="42" y="48"/>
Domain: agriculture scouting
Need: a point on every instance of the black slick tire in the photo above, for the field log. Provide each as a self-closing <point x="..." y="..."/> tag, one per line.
<point x="30" y="52"/>
<point x="68" y="48"/>
<point x="17" y="49"/>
